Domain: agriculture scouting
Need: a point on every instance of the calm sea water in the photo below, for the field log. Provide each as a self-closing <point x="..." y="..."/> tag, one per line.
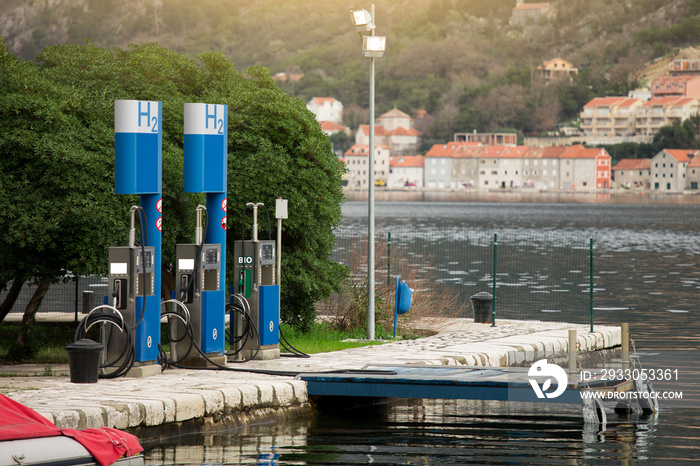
<point x="647" y="274"/>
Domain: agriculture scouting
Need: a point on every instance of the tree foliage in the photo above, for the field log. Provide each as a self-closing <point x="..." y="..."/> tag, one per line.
<point x="57" y="162"/>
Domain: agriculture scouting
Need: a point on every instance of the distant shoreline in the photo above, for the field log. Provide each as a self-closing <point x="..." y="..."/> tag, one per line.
<point x="614" y="196"/>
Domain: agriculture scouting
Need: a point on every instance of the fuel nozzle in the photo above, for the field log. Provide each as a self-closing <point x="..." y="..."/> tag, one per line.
<point x="198" y="229"/>
<point x="132" y="229"/>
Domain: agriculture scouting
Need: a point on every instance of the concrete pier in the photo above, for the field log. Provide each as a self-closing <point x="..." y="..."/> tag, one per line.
<point x="180" y="400"/>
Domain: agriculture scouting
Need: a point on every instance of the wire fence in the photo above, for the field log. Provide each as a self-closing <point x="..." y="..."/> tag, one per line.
<point x="546" y="277"/>
<point x="69" y="299"/>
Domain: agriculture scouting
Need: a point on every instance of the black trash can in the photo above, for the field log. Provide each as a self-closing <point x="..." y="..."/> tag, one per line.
<point x="84" y="360"/>
<point x="481" y="303"/>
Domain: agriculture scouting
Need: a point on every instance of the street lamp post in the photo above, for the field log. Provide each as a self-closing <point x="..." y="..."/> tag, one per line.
<point x="372" y="47"/>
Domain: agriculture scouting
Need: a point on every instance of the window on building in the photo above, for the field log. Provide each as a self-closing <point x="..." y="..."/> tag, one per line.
<point x="494" y="172"/>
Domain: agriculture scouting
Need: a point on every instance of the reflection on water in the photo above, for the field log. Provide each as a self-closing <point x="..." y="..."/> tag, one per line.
<point x="439" y="432"/>
<point x="646" y="274"/>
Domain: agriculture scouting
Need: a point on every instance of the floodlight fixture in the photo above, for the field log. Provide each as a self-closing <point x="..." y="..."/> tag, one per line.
<point x="362" y="20"/>
<point x="373" y="46"/>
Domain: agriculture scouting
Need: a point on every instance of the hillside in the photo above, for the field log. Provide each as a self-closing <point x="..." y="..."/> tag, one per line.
<point x="460" y="60"/>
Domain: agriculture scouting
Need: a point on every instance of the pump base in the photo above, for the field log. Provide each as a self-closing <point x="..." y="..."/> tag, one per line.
<point x="217" y="358"/>
<point x="147" y="370"/>
<point x="265" y="353"/>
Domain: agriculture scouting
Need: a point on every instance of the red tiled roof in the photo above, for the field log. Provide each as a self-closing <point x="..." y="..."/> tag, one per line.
<point x="362" y="150"/>
<point x="322" y="100"/>
<point x="330" y="126"/>
<point x="408" y="161"/>
<point x="682" y="155"/>
<point x="664" y="101"/>
<point x="611" y="101"/>
<point x="447" y="149"/>
<point x="379" y="130"/>
<point x="633" y="164"/>
<point x="401" y="131"/>
<point x="580" y="152"/>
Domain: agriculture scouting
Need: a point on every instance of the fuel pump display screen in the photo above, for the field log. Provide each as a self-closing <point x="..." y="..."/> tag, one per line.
<point x="267" y="254"/>
<point x="212" y="256"/>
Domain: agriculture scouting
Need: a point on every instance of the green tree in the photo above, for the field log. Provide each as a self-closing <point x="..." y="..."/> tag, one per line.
<point x="675" y="136"/>
<point x="57" y="162"/>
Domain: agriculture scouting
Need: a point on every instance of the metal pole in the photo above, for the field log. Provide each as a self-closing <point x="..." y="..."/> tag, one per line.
<point x="388" y="260"/>
<point x="493" y="287"/>
<point x="590" y="306"/>
<point x="370" y="209"/>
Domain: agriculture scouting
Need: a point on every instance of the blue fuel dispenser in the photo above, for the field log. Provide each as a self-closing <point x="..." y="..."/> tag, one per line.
<point x="200" y="274"/>
<point x="134" y="270"/>
<point x="255" y="281"/>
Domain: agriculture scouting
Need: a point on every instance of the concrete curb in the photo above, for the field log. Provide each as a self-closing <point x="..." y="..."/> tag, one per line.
<point x="211" y="399"/>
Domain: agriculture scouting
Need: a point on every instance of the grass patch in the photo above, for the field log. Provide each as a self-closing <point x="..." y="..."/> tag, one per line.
<point x="324" y="338"/>
<point x="47" y="341"/>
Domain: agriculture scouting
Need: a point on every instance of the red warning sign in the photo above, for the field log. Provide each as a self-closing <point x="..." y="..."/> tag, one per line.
<point x="159" y="224"/>
<point x="223" y="204"/>
<point x="223" y="223"/>
<point x="159" y="205"/>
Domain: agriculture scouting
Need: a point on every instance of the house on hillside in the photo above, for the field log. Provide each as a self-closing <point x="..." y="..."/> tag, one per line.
<point x="406" y="170"/>
<point x="531" y="13"/>
<point x="663" y="111"/>
<point x="685" y="67"/>
<point x="610" y="116"/>
<point x="395" y="130"/>
<point x="632" y="173"/>
<point x="668" y="169"/>
<point x="329" y="128"/>
<point x="326" y="109"/>
<point x="557" y="68"/>
<point x="676" y="86"/>
<point x="357" y="162"/>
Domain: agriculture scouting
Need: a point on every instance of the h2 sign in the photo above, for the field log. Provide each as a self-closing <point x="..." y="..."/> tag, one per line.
<point x="138" y="142"/>
<point x="206" y="139"/>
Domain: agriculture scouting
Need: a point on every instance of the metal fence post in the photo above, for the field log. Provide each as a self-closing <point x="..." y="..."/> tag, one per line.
<point x="591" y="283"/>
<point x="388" y="259"/>
<point x="493" y="304"/>
<point x="77" y="285"/>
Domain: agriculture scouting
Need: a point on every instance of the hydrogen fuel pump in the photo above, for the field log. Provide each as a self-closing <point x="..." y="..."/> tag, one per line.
<point x="197" y="278"/>
<point x="255" y="280"/>
<point x="131" y="279"/>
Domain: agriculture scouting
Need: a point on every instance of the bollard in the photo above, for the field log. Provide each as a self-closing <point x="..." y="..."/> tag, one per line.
<point x="625" y="331"/>
<point x="572" y="356"/>
<point x="481" y="304"/>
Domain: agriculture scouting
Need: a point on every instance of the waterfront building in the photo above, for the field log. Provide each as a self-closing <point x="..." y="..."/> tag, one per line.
<point x="584" y="169"/>
<point x="668" y="169"/>
<point x="632" y="173"/>
<point x="357" y="162"/>
<point x="693" y="173"/>
<point x="406" y="170"/>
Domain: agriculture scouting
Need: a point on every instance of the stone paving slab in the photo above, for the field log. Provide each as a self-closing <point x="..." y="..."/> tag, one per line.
<point x="178" y="395"/>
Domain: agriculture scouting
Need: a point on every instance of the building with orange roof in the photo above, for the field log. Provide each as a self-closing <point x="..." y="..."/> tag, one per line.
<point x="693" y="174"/>
<point x="663" y="111"/>
<point x="395" y="130"/>
<point x="357" y="162"/>
<point x="438" y="164"/>
<point x="557" y="68"/>
<point x="676" y="86"/>
<point x="632" y="173"/>
<point x="329" y="128"/>
<point x="326" y="109"/>
<point x="406" y="170"/>
<point x="584" y="169"/>
<point x="494" y="139"/>
<point x="610" y="116"/>
<point x="668" y="169"/>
